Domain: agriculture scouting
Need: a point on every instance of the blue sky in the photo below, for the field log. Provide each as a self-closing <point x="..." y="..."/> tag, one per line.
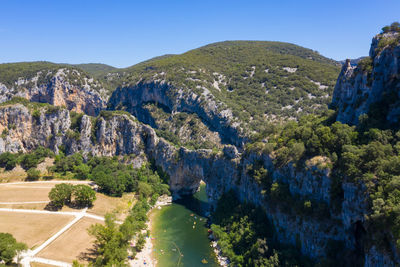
<point x="122" y="33"/>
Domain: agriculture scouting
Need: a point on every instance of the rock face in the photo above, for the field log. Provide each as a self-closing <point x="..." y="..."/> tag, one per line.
<point x="66" y="87"/>
<point x="374" y="81"/>
<point x="218" y="119"/>
<point x="358" y="89"/>
<point x="222" y="171"/>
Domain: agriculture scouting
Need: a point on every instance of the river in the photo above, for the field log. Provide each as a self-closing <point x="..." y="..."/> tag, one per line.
<point x="180" y="235"/>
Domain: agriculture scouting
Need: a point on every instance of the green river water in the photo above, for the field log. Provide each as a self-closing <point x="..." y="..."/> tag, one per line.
<point x="180" y="233"/>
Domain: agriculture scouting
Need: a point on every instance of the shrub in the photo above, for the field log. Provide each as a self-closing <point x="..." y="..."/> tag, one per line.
<point x="8" y="160"/>
<point x="33" y="174"/>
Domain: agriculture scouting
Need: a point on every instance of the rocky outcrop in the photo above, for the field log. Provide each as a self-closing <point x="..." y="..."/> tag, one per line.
<point x="67" y="87"/>
<point x="212" y="114"/>
<point x="375" y="80"/>
<point x="222" y="171"/>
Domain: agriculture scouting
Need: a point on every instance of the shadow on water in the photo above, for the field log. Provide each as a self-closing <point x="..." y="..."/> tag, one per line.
<point x="196" y="203"/>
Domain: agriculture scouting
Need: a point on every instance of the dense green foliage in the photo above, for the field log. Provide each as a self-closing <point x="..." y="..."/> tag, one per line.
<point x="9" y="247"/>
<point x="84" y="195"/>
<point x="182" y="129"/>
<point x="368" y="157"/>
<point x="76" y="195"/>
<point x="112" y="241"/>
<point x="8" y="160"/>
<point x="255" y="79"/>
<point x="61" y="194"/>
<point x="95" y="69"/>
<point x="32" y="174"/>
<point x="247" y="238"/>
<point x="28" y="161"/>
<point x="113" y="176"/>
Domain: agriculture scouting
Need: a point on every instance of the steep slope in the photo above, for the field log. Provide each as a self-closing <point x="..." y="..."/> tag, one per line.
<point x="59" y="85"/>
<point x="371" y="88"/>
<point x="234" y="87"/>
<point x="252" y="175"/>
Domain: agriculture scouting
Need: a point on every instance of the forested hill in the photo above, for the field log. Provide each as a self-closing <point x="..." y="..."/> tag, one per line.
<point x="95" y="69"/>
<point x="255" y="79"/>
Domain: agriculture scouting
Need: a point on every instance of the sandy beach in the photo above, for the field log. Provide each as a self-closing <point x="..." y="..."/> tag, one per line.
<point x="146" y="257"/>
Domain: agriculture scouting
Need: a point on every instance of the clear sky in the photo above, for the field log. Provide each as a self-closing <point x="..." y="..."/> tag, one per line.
<point x="122" y="33"/>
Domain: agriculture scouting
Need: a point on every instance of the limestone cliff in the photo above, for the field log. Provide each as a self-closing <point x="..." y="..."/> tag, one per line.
<point x="213" y="114"/>
<point x="373" y="86"/>
<point x="60" y="87"/>
<point x="121" y="134"/>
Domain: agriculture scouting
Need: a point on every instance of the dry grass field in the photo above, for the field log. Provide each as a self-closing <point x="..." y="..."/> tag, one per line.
<point x="14" y="193"/>
<point x="27" y="206"/>
<point x="19" y="174"/>
<point x="16" y="175"/>
<point x="74" y="244"/>
<point x="26" y="192"/>
<point x="119" y="205"/>
<point x="32" y="229"/>
<point x="38" y="264"/>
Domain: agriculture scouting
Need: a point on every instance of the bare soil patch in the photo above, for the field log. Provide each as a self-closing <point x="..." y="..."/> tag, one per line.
<point x="32" y="229"/>
<point x="73" y="244"/>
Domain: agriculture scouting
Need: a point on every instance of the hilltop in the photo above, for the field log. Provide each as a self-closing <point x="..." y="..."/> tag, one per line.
<point x="233" y="86"/>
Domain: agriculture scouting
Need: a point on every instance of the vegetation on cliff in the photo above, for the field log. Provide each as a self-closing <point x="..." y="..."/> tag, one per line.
<point x="367" y="157"/>
<point x="258" y="81"/>
<point x="246" y="236"/>
<point x="39" y="73"/>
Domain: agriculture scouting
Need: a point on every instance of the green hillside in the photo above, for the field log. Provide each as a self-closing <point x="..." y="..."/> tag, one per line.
<point x="259" y="81"/>
<point x="96" y="69"/>
<point x="11" y="72"/>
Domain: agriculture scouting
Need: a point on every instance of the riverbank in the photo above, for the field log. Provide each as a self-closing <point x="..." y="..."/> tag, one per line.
<point x="145" y="257"/>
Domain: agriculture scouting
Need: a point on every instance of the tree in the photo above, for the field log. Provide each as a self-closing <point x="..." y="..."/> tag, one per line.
<point x="61" y="194"/>
<point x="84" y="195"/>
<point x="8" y="160"/>
<point x="82" y="171"/>
<point x="111" y="246"/>
<point x="33" y="174"/>
<point x="9" y="247"/>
